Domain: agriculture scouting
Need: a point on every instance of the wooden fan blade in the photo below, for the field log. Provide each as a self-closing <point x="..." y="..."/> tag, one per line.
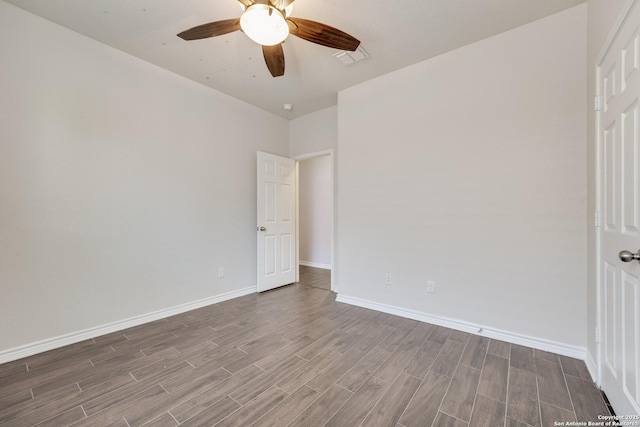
<point x="274" y="57"/>
<point x="322" y="34"/>
<point x="211" y="29"/>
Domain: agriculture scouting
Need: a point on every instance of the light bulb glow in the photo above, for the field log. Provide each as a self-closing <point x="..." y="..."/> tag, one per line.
<point x="264" y="24"/>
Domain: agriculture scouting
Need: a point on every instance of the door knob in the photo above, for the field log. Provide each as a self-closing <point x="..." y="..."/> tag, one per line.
<point x="261" y="229"/>
<point x="628" y="256"/>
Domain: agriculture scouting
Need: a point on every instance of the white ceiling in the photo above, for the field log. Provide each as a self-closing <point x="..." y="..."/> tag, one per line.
<point x="395" y="33"/>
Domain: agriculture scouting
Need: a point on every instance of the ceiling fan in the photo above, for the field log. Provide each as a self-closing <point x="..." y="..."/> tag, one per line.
<point x="267" y="22"/>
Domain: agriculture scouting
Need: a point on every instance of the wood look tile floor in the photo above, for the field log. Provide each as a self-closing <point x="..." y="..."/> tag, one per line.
<point x="295" y="357"/>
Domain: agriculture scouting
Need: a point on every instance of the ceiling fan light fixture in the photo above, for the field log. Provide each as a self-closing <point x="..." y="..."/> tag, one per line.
<point x="264" y="24"/>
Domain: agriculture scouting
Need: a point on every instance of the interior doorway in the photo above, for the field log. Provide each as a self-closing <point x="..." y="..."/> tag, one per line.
<point x="316" y="212"/>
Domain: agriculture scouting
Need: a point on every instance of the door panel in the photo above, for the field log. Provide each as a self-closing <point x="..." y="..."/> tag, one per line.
<point x="619" y="88"/>
<point x="610" y="324"/>
<point x="630" y="217"/>
<point x="276" y="221"/>
<point x="631" y="337"/>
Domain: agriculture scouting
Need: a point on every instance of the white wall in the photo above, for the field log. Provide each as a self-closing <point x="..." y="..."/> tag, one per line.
<point x="469" y="169"/>
<point x="315" y="203"/>
<point x="123" y="187"/>
<point x="602" y="16"/>
<point x="314" y="132"/>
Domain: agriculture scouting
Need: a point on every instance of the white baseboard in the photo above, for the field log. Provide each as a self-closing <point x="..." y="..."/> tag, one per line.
<point x="315" y="264"/>
<point x="538" y="343"/>
<point x="74" y="337"/>
<point x="592" y="367"/>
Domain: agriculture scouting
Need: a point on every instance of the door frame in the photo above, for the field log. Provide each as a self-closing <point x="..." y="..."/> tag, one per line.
<point x="298" y="159"/>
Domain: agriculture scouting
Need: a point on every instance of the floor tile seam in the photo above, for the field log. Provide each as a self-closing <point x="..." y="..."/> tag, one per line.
<point x="558" y="407"/>
<point x="33" y="381"/>
<point x="334" y="413"/>
<point x="484" y="361"/>
<point x="155" y="398"/>
<point x="382" y="364"/>
<point x="521" y="422"/>
<point x="459" y="357"/>
<point x="185" y="398"/>
<point x="336" y="382"/>
<point x="482" y="372"/>
<point x="538" y="397"/>
<point x="382" y="393"/>
<point x="475" y="395"/>
<point x="434" y="360"/>
<point x="494" y="354"/>
<point x="320" y="394"/>
<point x="203" y="409"/>
<point x="566" y="384"/>
<point x="410" y="400"/>
<point x="44" y="367"/>
<point x="577" y="377"/>
<point x="413" y="376"/>
<point x="453" y="416"/>
<point x="230" y="397"/>
<point x="495" y="400"/>
<point x="221" y="420"/>
<point x="273" y="408"/>
<point x="344" y="388"/>
<point x="145" y="387"/>
<point x="253" y="364"/>
<point x="472" y="367"/>
<point x="83" y="375"/>
<point x="506" y="394"/>
<point x="40" y="422"/>
<point x="444" y="395"/>
<point x="373" y="375"/>
<point x="282" y="348"/>
<point x="409" y="334"/>
<point x="274" y="384"/>
<point x="171" y="415"/>
<point x="78" y="352"/>
<point x="311" y="387"/>
<point x="546" y="360"/>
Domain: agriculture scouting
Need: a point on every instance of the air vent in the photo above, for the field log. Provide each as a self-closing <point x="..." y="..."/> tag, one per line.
<point x="348" y="58"/>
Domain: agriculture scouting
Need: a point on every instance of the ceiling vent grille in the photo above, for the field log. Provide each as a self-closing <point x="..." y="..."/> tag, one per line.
<point x="348" y="58"/>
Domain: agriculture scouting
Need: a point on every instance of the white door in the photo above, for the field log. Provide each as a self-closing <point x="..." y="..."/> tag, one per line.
<point x="618" y="89"/>
<point x="277" y="262"/>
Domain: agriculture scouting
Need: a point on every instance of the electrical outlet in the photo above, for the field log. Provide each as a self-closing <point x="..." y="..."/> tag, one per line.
<point x="221" y="272"/>
<point x="387" y="279"/>
<point x="431" y="286"/>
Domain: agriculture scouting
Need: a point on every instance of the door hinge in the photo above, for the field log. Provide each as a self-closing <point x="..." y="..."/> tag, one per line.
<point x="596" y="103"/>
<point x="597" y="335"/>
<point x="597" y="219"/>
